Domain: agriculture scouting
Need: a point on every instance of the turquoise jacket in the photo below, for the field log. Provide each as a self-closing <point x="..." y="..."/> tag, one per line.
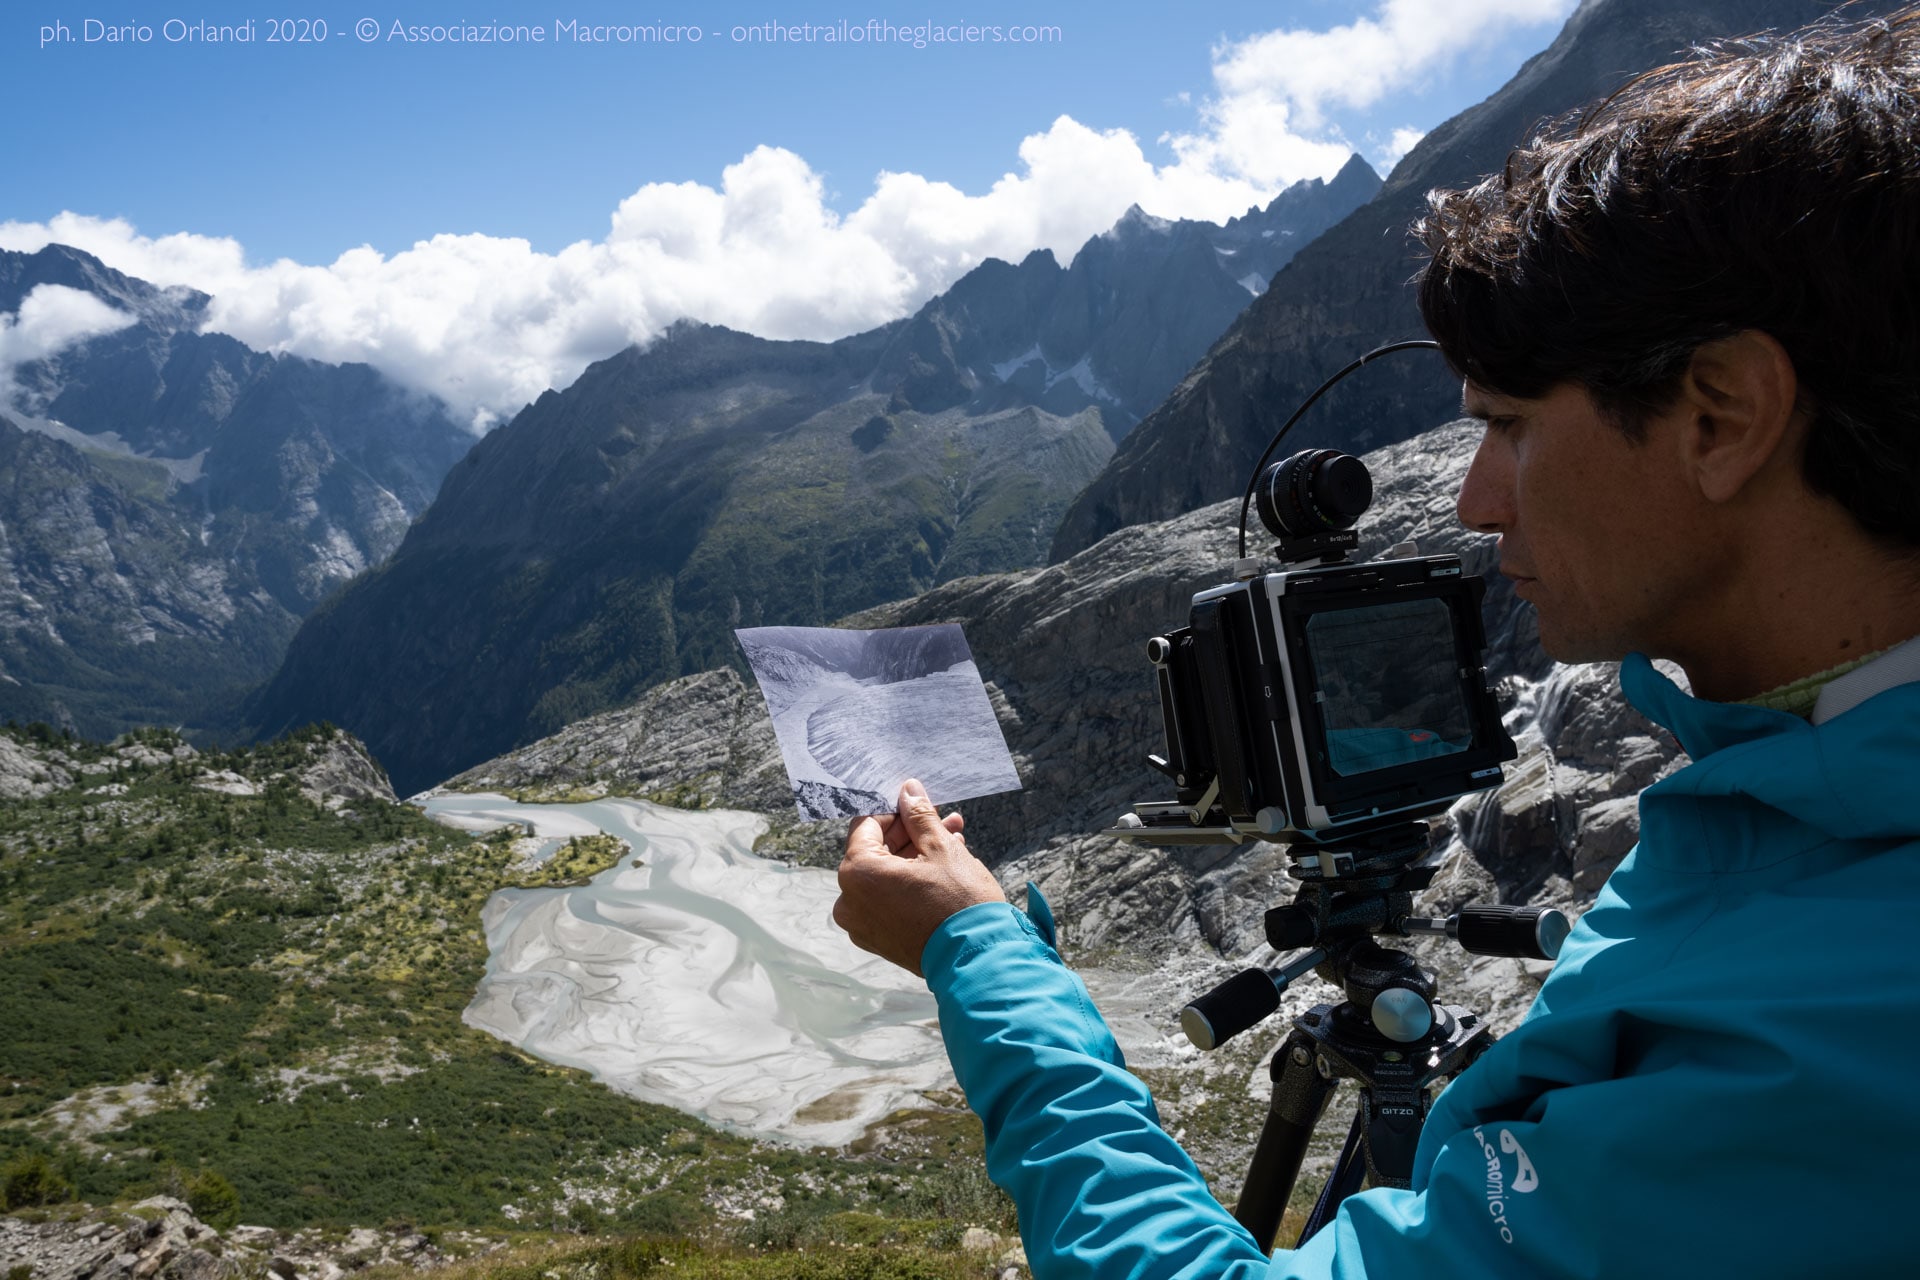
<point x="1721" y="1076"/>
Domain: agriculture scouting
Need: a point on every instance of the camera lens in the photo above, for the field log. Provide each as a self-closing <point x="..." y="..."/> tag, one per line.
<point x="1314" y="491"/>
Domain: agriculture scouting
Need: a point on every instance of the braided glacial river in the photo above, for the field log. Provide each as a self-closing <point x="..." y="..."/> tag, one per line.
<point x="705" y="977"/>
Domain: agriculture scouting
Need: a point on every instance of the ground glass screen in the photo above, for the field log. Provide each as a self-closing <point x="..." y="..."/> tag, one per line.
<point x="1387" y="683"/>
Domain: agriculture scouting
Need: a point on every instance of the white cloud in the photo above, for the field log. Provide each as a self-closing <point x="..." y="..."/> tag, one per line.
<point x="488" y="324"/>
<point x="51" y="318"/>
<point x="1269" y="121"/>
<point x="1402" y="141"/>
<point x="1358" y="64"/>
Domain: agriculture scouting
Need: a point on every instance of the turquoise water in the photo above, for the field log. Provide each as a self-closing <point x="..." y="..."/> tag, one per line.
<point x="706" y="978"/>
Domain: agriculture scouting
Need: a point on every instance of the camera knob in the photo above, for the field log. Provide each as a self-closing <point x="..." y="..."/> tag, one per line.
<point x="1402" y="1015"/>
<point x="1533" y="932"/>
<point x="1159" y="649"/>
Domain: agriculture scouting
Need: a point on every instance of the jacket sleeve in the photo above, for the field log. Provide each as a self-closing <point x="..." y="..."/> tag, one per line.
<point x="1102" y="1190"/>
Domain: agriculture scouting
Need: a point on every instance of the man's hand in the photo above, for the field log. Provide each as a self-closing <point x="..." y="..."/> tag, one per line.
<point x="903" y="874"/>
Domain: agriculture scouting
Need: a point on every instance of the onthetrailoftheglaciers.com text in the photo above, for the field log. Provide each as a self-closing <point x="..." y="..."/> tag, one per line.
<point x="314" y="31"/>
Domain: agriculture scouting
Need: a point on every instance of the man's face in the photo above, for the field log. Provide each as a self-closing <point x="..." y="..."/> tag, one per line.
<point x="1594" y="529"/>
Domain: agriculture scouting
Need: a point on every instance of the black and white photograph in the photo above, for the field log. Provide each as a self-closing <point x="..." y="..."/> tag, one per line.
<point x="857" y="713"/>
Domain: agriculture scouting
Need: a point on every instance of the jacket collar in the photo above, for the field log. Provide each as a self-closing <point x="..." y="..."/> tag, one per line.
<point x="1897" y="666"/>
<point x="1850" y="778"/>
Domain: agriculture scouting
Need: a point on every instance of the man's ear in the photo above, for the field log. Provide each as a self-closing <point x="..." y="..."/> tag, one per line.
<point x="1742" y="400"/>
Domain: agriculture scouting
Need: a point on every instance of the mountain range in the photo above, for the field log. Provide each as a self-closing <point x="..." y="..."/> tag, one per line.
<point x="614" y="534"/>
<point x="172" y="503"/>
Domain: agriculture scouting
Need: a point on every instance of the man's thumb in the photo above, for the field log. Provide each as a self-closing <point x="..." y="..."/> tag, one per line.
<point x="921" y="817"/>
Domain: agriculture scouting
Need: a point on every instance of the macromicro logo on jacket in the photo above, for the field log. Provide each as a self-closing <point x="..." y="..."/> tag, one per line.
<point x="1525" y="1179"/>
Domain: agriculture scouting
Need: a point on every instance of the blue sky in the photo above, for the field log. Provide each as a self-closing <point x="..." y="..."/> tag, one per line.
<point x="707" y="168"/>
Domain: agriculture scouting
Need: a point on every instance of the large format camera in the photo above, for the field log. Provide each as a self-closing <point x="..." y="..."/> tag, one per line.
<point x="1326" y="701"/>
<point x="1331" y="707"/>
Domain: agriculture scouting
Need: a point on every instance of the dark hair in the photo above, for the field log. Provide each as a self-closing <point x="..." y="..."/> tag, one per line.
<point x="1771" y="183"/>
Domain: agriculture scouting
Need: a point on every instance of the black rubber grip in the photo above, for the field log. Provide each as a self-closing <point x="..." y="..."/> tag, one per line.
<point x="1532" y="933"/>
<point x="1230" y="1008"/>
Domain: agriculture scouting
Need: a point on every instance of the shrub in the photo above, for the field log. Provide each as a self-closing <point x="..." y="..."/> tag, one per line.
<point x="30" y="1181"/>
<point x="213" y="1200"/>
<point x="664" y="1213"/>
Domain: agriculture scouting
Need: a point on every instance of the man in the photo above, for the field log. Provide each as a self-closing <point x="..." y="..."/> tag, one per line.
<point x="1691" y="323"/>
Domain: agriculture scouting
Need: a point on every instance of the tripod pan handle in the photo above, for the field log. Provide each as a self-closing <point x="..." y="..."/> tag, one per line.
<point x="1230" y="1008"/>
<point x="1533" y="933"/>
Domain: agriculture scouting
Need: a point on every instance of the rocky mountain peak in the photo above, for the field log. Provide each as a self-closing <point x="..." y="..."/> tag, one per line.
<point x="1354" y="185"/>
<point x="165" y="309"/>
<point x="174" y="502"/>
<point x="1356" y="172"/>
<point x="1119" y="326"/>
<point x="1137" y="221"/>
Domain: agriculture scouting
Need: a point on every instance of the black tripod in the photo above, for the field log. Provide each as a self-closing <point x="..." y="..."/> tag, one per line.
<point x="1389" y="1034"/>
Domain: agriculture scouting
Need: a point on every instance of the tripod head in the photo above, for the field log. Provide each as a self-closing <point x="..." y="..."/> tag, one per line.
<point x="1390" y="1034"/>
<point x="1349" y="894"/>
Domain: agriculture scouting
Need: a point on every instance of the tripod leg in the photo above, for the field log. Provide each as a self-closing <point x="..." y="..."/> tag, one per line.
<point x="1299" y="1096"/>
<point x="1348" y="1171"/>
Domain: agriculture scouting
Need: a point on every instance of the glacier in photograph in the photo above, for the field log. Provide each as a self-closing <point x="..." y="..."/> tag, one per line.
<point x="857" y="713"/>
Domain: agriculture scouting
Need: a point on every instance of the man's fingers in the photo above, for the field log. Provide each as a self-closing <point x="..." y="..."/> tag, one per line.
<point x="867" y="835"/>
<point x="900" y="836"/>
<point x="920" y="818"/>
